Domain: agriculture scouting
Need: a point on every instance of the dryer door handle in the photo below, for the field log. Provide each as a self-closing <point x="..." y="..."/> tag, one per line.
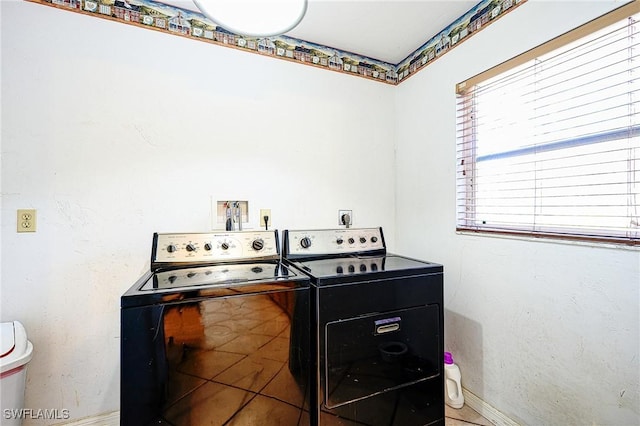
<point x="387" y="328"/>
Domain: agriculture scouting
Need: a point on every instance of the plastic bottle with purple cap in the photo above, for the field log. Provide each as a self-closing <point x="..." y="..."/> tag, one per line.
<point x="453" y="388"/>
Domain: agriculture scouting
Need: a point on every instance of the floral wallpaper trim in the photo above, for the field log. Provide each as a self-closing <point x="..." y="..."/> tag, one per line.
<point x="187" y="23"/>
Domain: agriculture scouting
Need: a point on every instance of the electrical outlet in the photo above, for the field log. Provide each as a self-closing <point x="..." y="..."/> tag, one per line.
<point x="265" y="213"/>
<point x="26" y="220"/>
<point x="345" y="217"/>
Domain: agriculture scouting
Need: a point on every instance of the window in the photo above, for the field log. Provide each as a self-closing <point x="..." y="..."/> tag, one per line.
<point x="548" y="144"/>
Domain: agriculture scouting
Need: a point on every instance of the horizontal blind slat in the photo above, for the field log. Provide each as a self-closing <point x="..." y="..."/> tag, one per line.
<point x="553" y="146"/>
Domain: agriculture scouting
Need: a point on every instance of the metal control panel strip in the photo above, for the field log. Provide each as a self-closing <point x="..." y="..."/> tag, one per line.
<point x="333" y="241"/>
<point x="188" y="248"/>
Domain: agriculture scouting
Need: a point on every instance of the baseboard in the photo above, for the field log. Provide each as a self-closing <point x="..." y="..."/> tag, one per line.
<point x="487" y="411"/>
<point x="107" y="419"/>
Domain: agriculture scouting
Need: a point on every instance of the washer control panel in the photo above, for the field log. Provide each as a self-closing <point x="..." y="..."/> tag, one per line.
<point x="214" y="247"/>
<point x="334" y="241"/>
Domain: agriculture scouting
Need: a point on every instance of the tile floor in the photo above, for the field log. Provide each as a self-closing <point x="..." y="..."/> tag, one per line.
<point x="464" y="416"/>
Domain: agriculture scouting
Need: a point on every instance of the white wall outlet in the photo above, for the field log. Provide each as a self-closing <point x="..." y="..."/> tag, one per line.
<point x="26" y="220"/>
<point x="345" y="217"/>
<point x="265" y="213"/>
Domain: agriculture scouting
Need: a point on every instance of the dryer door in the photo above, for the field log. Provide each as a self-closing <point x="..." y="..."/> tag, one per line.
<point x="376" y="353"/>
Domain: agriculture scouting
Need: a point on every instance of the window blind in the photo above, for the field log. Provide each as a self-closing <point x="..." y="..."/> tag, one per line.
<point x="551" y="146"/>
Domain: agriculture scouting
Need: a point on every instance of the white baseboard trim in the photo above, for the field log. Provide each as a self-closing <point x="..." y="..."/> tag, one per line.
<point x="487" y="411"/>
<point x="107" y="419"/>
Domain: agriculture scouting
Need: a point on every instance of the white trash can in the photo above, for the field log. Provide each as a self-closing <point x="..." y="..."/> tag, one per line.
<point x="15" y="352"/>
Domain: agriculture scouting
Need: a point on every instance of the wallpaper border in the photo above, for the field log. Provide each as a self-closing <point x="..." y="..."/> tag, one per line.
<point x="158" y="16"/>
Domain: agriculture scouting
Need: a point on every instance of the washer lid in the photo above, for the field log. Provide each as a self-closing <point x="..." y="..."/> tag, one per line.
<point x="8" y="339"/>
<point x="226" y="275"/>
<point x="354" y="266"/>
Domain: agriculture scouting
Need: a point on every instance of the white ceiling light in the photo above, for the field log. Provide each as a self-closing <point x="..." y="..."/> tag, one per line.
<point x="254" y="17"/>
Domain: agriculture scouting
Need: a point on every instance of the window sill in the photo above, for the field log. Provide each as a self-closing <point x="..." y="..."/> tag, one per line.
<point x="552" y="239"/>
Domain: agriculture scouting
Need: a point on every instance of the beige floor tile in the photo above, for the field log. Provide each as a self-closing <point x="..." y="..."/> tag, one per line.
<point x="264" y="411"/>
<point x="274" y="327"/>
<point x="207" y="364"/>
<point x="211" y="404"/>
<point x="252" y="373"/>
<point x="246" y="344"/>
<point x="465" y="414"/>
<point x="455" y="422"/>
<point x="180" y="385"/>
<point x="240" y="325"/>
<point x="277" y="350"/>
<point x="286" y="388"/>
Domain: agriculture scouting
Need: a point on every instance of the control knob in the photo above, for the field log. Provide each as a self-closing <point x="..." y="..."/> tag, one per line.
<point x="190" y="247"/>
<point x="207" y="246"/>
<point x="305" y="242"/>
<point x="339" y="241"/>
<point x="363" y="240"/>
<point x="258" y="244"/>
<point x="225" y="246"/>
<point x="351" y="241"/>
<point x="374" y="239"/>
<point x="171" y="248"/>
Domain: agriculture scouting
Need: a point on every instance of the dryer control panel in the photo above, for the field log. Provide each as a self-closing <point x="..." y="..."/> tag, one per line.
<point x="214" y="247"/>
<point x="333" y="241"/>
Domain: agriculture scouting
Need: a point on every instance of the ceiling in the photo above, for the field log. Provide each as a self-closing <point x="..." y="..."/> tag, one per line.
<point x="387" y="30"/>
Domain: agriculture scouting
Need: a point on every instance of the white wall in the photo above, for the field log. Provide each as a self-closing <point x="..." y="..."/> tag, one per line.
<point x="548" y="333"/>
<point x="113" y="132"/>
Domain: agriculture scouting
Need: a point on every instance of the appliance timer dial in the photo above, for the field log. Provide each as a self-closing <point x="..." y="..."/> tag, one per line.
<point x="305" y="242"/>
<point x="257" y="244"/>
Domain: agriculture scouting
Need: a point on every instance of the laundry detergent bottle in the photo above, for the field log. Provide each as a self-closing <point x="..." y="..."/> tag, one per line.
<point x="452" y="388"/>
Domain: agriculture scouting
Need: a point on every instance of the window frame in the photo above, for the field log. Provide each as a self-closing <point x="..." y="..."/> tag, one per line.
<point x="466" y="139"/>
